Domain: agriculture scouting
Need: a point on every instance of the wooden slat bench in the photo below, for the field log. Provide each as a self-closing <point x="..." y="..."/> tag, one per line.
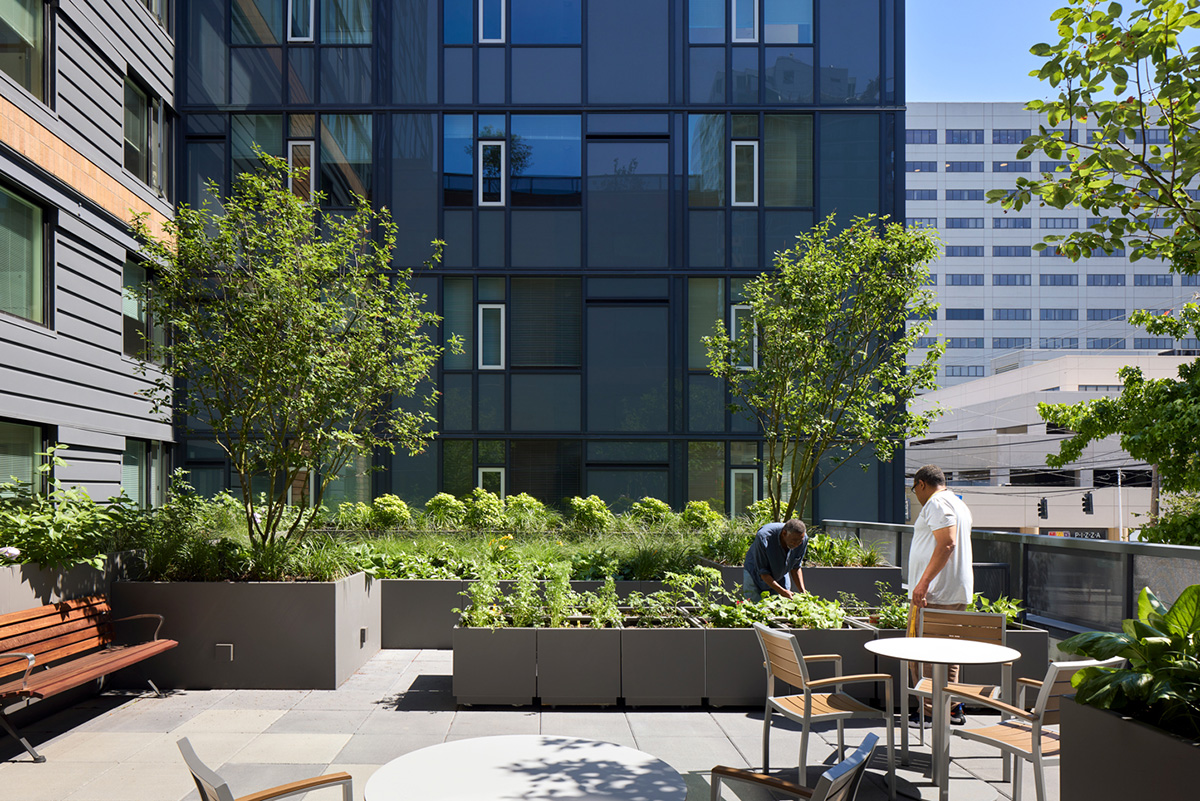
<point x="57" y="647"/>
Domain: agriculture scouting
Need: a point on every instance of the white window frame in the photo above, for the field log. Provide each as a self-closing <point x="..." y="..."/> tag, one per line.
<point x="733" y="148"/>
<point x="733" y="476"/>
<point x="733" y="22"/>
<point x="735" y="333"/>
<point x="503" y="145"/>
<point x="312" y="24"/>
<point x="312" y="150"/>
<point x="503" y="479"/>
<point x="479" y="336"/>
<point x="503" y="23"/>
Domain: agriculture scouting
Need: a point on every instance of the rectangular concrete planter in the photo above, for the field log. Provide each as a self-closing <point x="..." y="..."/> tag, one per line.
<point x="495" y="666"/>
<point x="662" y="666"/>
<point x="1105" y="755"/>
<point x="579" y="666"/>
<point x="418" y="613"/>
<point x="258" y="635"/>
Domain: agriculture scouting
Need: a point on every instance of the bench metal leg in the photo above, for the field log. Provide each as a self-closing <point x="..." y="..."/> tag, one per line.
<point x="8" y="727"/>
<point x="154" y="687"/>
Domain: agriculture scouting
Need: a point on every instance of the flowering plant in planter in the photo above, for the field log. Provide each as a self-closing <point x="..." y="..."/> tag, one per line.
<point x="1161" y="685"/>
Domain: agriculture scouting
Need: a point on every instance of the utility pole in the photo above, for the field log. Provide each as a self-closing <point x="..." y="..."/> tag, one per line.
<point x="1120" y="510"/>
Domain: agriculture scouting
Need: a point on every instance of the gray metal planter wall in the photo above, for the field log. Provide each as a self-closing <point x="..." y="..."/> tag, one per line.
<point x="418" y="613"/>
<point x="578" y="666"/>
<point x="1105" y="755"/>
<point x="495" y="666"/>
<point x="29" y="586"/>
<point x="662" y="666"/>
<point x="257" y="635"/>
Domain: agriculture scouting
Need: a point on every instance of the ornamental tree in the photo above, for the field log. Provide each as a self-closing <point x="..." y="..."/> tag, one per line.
<point x="823" y="368"/>
<point x="294" y="341"/>
<point x="1124" y="125"/>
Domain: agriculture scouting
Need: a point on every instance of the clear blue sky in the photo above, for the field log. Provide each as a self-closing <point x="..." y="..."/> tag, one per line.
<point x="976" y="50"/>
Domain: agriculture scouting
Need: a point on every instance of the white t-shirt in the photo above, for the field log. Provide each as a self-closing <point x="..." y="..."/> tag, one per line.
<point x="956" y="583"/>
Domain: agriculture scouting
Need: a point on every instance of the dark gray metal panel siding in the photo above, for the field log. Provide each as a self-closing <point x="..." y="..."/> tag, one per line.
<point x="73" y="376"/>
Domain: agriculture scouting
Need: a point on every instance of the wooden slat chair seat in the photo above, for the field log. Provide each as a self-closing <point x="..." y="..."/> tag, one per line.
<point x="1022" y="734"/>
<point x="986" y="627"/>
<point x="57" y="647"/>
<point x="839" y="783"/>
<point x="783" y="660"/>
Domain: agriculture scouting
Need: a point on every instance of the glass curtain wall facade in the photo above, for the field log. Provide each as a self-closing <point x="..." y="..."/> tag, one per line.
<point x="606" y="175"/>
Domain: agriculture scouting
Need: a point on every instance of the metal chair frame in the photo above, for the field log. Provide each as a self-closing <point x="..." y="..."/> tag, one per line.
<point x="213" y="788"/>
<point x="839" y="783"/>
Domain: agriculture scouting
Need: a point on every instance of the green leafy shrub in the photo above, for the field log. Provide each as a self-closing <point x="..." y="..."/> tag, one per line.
<point x="827" y="551"/>
<point x="1009" y="607"/>
<point x="391" y="512"/>
<point x="1161" y="647"/>
<point x="444" y="511"/>
<point x="589" y="515"/>
<point x="650" y="512"/>
<point x="525" y="514"/>
<point x="1179" y="523"/>
<point x="353" y="516"/>
<point x="484" y="609"/>
<point x="759" y="513"/>
<point x="699" y="516"/>
<point x="726" y="545"/>
<point x="484" y="511"/>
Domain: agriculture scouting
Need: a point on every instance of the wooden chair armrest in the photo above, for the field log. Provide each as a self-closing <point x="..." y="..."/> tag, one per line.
<point x="28" y="657"/>
<point x="853" y="677"/>
<point x="823" y="658"/>
<point x="1031" y="682"/>
<point x="762" y="779"/>
<point x="965" y="694"/>
<point x="157" y="628"/>
<point x="292" y="788"/>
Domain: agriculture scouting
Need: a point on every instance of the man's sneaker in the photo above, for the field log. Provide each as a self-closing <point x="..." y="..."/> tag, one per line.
<point x="957" y="716"/>
<point x="918" y="721"/>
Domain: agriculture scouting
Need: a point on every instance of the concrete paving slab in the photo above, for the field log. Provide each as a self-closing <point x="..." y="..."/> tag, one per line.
<point x="103" y="747"/>
<point x="255" y="721"/>
<point x="692" y="753"/>
<point x="325" y="721"/>
<point x="287" y="749"/>
<point x="612" y="727"/>
<point x="695" y="723"/>
<point x="214" y="749"/>
<point x="261" y="699"/>
<point x="376" y="749"/>
<point x="140" y="781"/>
<point x="343" y="700"/>
<point x="483" y="723"/>
<point x="25" y="781"/>
<point x="416" y="723"/>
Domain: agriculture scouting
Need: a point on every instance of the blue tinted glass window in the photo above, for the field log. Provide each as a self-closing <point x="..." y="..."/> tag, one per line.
<point x="545" y="403"/>
<point x="256" y="22"/>
<point x="456" y="402"/>
<point x="744" y="239"/>
<point x="850" y="166"/>
<point x="491" y="409"/>
<point x="628" y="46"/>
<point x="545" y="158"/>
<point x="627" y="204"/>
<point x="545" y="21"/>
<point x="256" y="76"/>
<point x="706" y="159"/>
<point x="491" y="75"/>
<point x="745" y="20"/>
<point x="706" y="239"/>
<point x="546" y="75"/>
<point x="346" y="21"/>
<point x="787" y="159"/>
<point x="546" y="239"/>
<point x="849" y="51"/>
<point x="707" y="75"/>
<point x="414" y="183"/>
<point x="492" y="25"/>
<point x="248" y="130"/>
<point x="458" y="160"/>
<point x="627" y="368"/>
<point x="706" y="21"/>
<point x="745" y="75"/>
<point x="458" y="25"/>
<point x="459" y="69"/>
<point x="787" y="21"/>
<point x="789" y="75"/>
<point x="346" y="168"/>
<point x="346" y="75"/>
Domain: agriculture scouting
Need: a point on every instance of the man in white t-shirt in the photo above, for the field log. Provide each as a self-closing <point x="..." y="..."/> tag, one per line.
<point x="939" y="561"/>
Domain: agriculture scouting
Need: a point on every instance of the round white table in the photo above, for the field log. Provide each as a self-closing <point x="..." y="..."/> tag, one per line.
<point x="941" y="652"/>
<point x="526" y="766"/>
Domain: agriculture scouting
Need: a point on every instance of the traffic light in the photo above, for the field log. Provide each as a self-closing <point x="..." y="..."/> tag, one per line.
<point x="1088" y="506"/>
<point x="1043" y="508"/>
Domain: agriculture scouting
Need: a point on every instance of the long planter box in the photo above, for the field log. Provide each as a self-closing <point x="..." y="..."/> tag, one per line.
<point x="1105" y="755"/>
<point x="734" y="662"/>
<point x="257" y="635"/>
<point x="579" y="666"/>
<point x="662" y="667"/>
<point x="827" y="582"/>
<point x="495" y="666"/>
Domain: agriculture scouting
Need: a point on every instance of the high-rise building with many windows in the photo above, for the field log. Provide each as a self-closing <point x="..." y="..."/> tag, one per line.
<point x="86" y="139"/>
<point x="1004" y="304"/>
<point x="605" y="173"/>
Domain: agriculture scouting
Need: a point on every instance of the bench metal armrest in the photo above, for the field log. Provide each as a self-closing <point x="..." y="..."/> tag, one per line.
<point x="31" y="658"/>
<point x="157" y="628"/>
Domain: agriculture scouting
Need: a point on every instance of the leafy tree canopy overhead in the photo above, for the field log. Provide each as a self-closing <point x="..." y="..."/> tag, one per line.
<point x="823" y="365"/>
<point x="294" y="340"/>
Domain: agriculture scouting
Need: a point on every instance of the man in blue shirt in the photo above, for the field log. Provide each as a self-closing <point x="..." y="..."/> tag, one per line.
<point x="777" y="551"/>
